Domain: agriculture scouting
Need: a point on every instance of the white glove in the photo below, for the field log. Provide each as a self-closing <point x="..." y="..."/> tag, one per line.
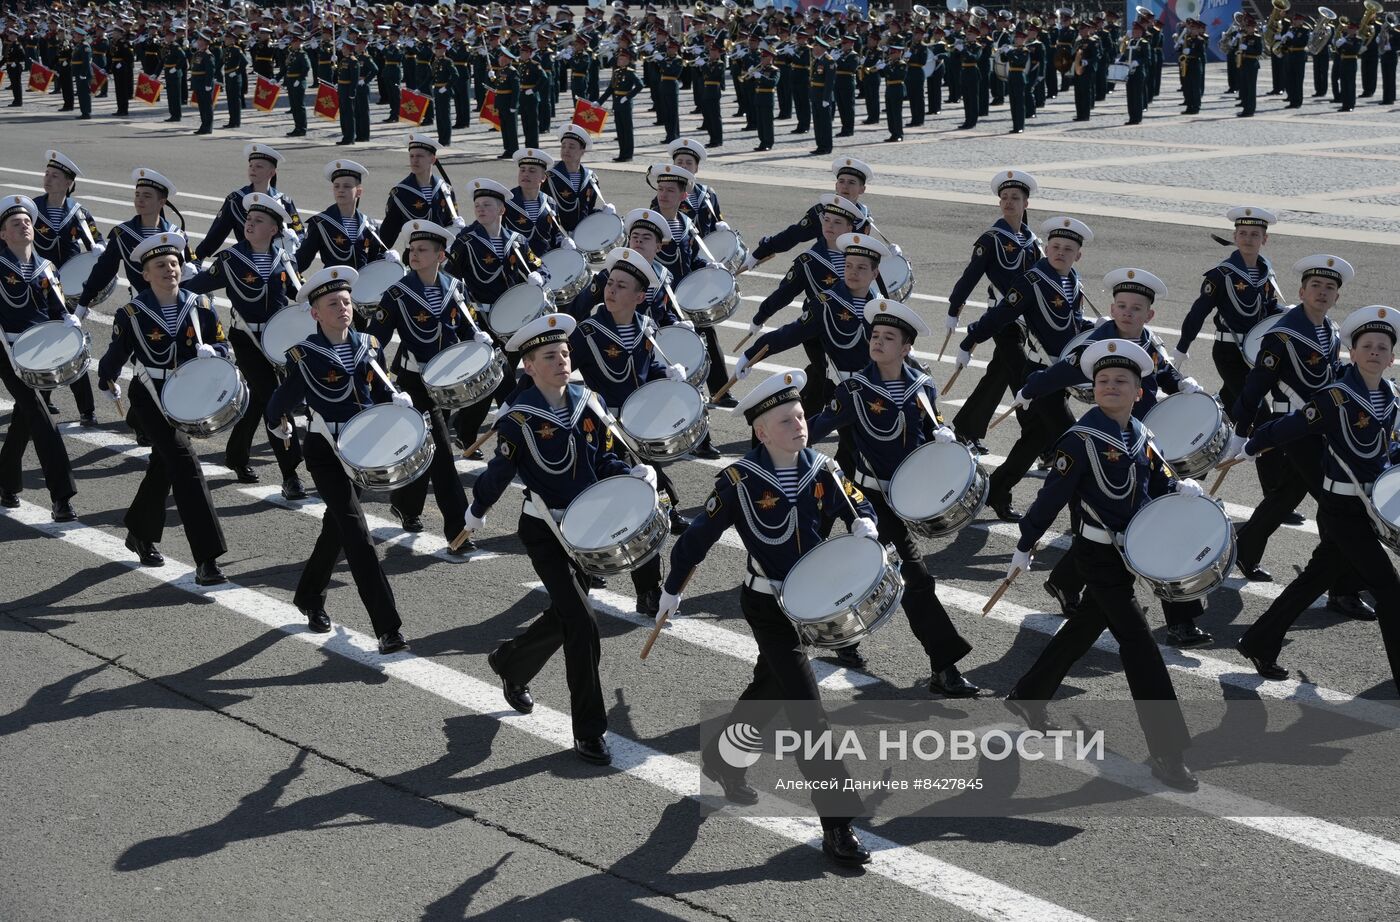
<point x="459" y="222"/>
<point x="1179" y="358"/>
<point x="880" y="66"/>
<point x="1189" y="386"/>
<point x="864" y="527"/>
<point x="609" y="208"/>
<point x="1189" y="487"/>
<point x="474" y="522"/>
<point x="894" y="248"/>
<point x="741" y="368"/>
<point x="570" y="245"/>
<point x="205" y="351"/>
<point x="1021" y="560"/>
<point x="964" y="358"/>
<point x="290" y="241"/>
<point x="481" y="336"/>
<point x="393" y="256"/>
<point x="114" y="392"/>
<point x="675" y="372"/>
<point x="99" y="248"/>
<point x="282" y="430"/>
<point x="687" y="324"/>
<point x="644" y="472"/>
<point x="401" y="399"/>
<point x="1235" y="448"/>
<point x="944" y="434"/>
<point x="534" y="278"/>
<point x="670" y="605"/>
<point x="722" y="225"/>
<point x="755" y="328"/>
<point x="950" y="323"/>
<point x="72" y="320"/>
<point x="1022" y="401"/>
<point x="188" y="271"/>
<point x="749" y="262"/>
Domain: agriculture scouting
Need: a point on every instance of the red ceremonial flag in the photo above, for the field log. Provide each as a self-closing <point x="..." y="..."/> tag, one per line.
<point x="148" y="89"/>
<point x="217" y="87"/>
<point x="590" y="116"/>
<point x="99" y="79"/>
<point x="327" y="102"/>
<point x="488" y="113"/>
<point x="412" y="107"/>
<point x="40" y="77"/>
<point x="265" y="93"/>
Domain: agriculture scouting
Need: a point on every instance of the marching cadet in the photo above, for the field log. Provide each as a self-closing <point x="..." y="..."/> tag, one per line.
<point x="573" y="186"/>
<point x="763" y="79"/>
<point x="701" y="202"/>
<point x="342" y="235"/>
<point x="295" y="69"/>
<point x="428" y="310"/>
<point x="368" y="71"/>
<point x="80" y="71"/>
<point x="821" y="90"/>
<point x="782" y="498"/>
<point x="29" y="295"/>
<point x="234" y="65"/>
<point x="1299" y="357"/>
<point x="419" y="196"/>
<point x="333" y="372"/>
<point x="443" y="71"/>
<point x="530" y="212"/>
<point x="532" y="84"/>
<point x="647" y="232"/>
<point x="260" y="279"/>
<point x="347" y="76"/>
<point x="847" y="63"/>
<point x="556" y="441"/>
<point x="683" y="254"/>
<point x="122" y="60"/>
<point x="175" y="66"/>
<point x="151" y="194"/>
<point x="1050" y="299"/>
<point x="505" y="82"/>
<point x="1108" y="468"/>
<point x="890" y="409"/>
<point x="1003" y="253"/>
<point x="623" y="88"/>
<point x="1355" y="415"/>
<point x="262" y="178"/>
<point x="851" y="177"/>
<point x="162" y="328"/>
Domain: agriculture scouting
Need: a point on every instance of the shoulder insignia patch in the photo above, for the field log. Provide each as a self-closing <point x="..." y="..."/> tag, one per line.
<point x="504" y="449"/>
<point x="977" y="250"/>
<point x="852" y="490"/>
<point x="518" y="418"/>
<point x="1269" y="360"/>
<point x="1013" y="296"/>
<point x="1208" y="287"/>
<point x="1063" y="462"/>
<point x="712" y="505"/>
<point x="733" y="474"/>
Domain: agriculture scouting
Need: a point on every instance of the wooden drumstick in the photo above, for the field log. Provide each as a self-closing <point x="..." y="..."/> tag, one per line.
<point x="472" y="448"/>
<point x="953" y="379"/>
<point x="663" y="618"/>
<point x="997" y="422"/>
<point x="944" y="348"/>
<point x="734" y="379"/>
<point x="1001" y="591"/>
<point x="740" y="347"/>
<point x="461" y="538"/>
<point x="1224" y="469"/>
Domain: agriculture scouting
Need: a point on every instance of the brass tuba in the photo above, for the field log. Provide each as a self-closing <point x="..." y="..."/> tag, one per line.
<point x="1322" y="33"/>
<point x="1272" y="42"/>
<point x="1368" y="21"/>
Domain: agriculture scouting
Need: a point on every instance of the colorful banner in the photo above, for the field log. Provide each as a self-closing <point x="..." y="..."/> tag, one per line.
<point x="265" y="93"/>
<point x="99" y="80"/>
<point x="590" y="116"/>
<point x="148" y="89"/>
<point x="40" y="77"/>
<point x="327" y="102"/>
<point x="488" y="113"/>
<point x="413" y="107"/>
<point x="1218" y="15"/>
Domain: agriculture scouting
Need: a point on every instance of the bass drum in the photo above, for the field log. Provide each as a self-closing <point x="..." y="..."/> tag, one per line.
<point x="74" y="275"/>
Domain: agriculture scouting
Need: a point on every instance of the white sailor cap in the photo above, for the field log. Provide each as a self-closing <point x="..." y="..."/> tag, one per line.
<point x="1114" y="353"/>
<point x="490" y="188"/>
<point x="1324" y="266"/>
<point x="339" y="168"/>
<point x="658" y="173"/>
<point x="12" y="205"/>
<point x="416" y="139"/>
<point x="578" y="133"/>
<point x="144" y="176"/>
<point x="1251" y="215"/>
<point x="261" y="201"/>
<point x="842" y="207"/>
<point x="784" y="387"/>
<point x="533" y="156"/>
<point x="649" y="220"/>
<point x="634" y="264"/>
<point x="892" y="313"/>
<point x="1376" y="318"/>
<point x="427" y="230"/>
<point x="1138" y="281"/>
<point x="57" y="160"/>
<point x="327" y="280"/>
<point x="863" y="245"/>
<point x="1069" y="228"/>
<point x="166" y="243"/>
<point x="686" y="146"/>
<point x="853" y="167"/>
<point x="262" y="152"/>
<point x="1014" y="179"/>
<point x="551" y="328"/>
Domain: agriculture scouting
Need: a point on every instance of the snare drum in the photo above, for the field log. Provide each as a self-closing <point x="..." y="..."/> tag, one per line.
<point x="841" y="591"/>
<point x="938" y="489"/>
<point x="708" y="296"/>
<point x="686" y="348"/>
<point x="204" y="396"/>
<point x="1385" y="508"/>
<point x="898" y="275"/>
<point x="1182" y="546"/>
<point x="614" y="526"/>
<point x="385" y="446"/>
<point x="50" y="355"/>
<point x="288" y="327"/>
<point x="1190" y="431"/>
<point x="728" y="249"/>
<point x="1001" y="68"/>
<point x="597" y="234"/>
<point x="517" y="306"/>
<point x="568" y="274"/>
<point x="1255" y="338"/>
<point x="1117" y="72"/>
<point x="463" y="374"/>
<point x="1084" y="393"/>
<point x="666" y="419"/>
<point x="74" y="275"/>
<point x="373" y="280"/>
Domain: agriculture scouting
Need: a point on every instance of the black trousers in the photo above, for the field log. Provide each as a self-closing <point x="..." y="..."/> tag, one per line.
<point x="343" y="528"/>
<point x="441" y="474"/>
<point x="467" y="421"/>
<point x="971" y="93"/>
<point x="567" y="623"/>
<point x="173" y="468"/>
<point x="1005" y="370"/>
<point x="622" y="125"/>
<point x="783" y="673"/>
<point x="718" y="375"/>
<point x="1247" y="82"/>
<point x="262" y="380"/>
<point x="1045" y="421"/>
<point x="1349" y="544"/>
<point x="1320" y="70"/>
<point x="1109" y="603"/>
<point x="30" y="420"/>
<point x="1229" y="361"/>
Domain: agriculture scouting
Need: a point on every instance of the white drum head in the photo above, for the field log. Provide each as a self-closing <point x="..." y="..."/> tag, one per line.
<point x="608" y="511"/>
<point x="724" y="244"/>
<point x="895" y="272"/>
<point x="832" y="575"/>
<point x="704" y="288"/>
<point x="683" y="347"/>
<point x="1255" y="338"/>
<point x="598" y="231"/>
<point x="661" y="409"/>
<point x="1385" y="495"/>
<point x="74" y="274"/>
<point x="564" y="266"/>
<point x="516" y="307"/>
<point x="381" y="436"/>
<point x="1081" y="339"/>
<point x="1174" y="536"/>
<point x="46" y="346"/>
<point x="199" y="388"/>
<point x="931" y="480"/>
<point x="457" y="363"/>
<point x="1183" y="423"/>
<point x="288" y="327"/>
<point x="374" y="280"/>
